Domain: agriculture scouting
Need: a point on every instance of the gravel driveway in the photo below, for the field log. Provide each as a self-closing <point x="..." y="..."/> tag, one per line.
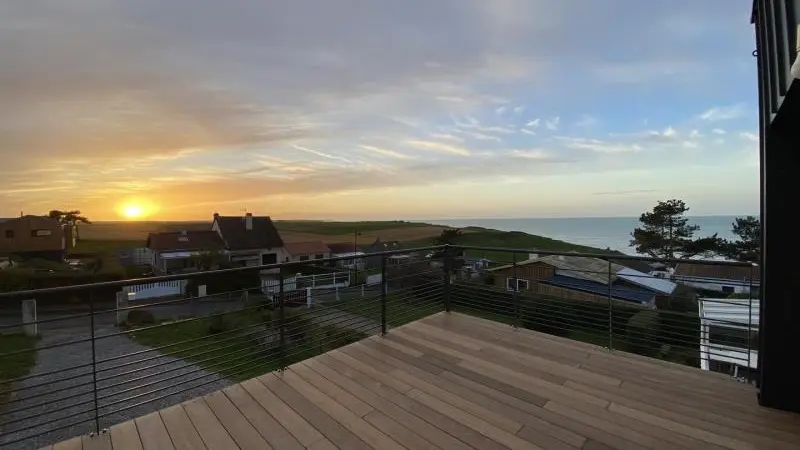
<point x="69" y="401"/>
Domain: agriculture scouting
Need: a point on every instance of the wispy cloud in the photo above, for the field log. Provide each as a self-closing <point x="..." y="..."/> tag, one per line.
<point x="500" y="110"/>
<point x="519" y="109"/>
<point x="533" y="124"/>
<point x="319" y="153"/>
<point x="598" y="146"/>
<point x="385" y="152"/>
<point x="527" y="131"/>
<point x="723" y="113"/>
<point x="447" y="137"/>
<point x="587" y="121"/>
<point x="482" y="136"/>
<point x="718" y="131"/>
<point x="439" y="147"/>
<point x="552" y="124"/>
<point x="534" y="154"/>
<point x="752" y="137"/>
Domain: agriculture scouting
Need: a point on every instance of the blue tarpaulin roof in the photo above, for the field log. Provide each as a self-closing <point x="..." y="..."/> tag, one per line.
<point x="620" y="293"/>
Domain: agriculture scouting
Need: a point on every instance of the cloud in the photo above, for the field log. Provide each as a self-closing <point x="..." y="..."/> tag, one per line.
<point x="630" y="192"/>
<point x="752" y="137"/>
<point x="587" y="121"/>
<point x="500" y="110"/>
<point x="695" y="134"/>
<point x="385" y="152"/>
<point x="439" y="147"/>
<point x="482" y="136"/>
<point x="724" y="113"/>
<point x="598" y="146"/>
<point x="533" y="124"/>
<point x="552" y="124"/>
<point x="718" y="131"/>
<point x="527" y="131"/>
<point x="689" y="144"/>
<point x="447" y="137"/>
<point x="519" y="109"/>
<point x="534" y="154"/>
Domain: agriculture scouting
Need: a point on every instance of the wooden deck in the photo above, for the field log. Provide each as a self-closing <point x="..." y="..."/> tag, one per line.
<point x="452" y="381"/>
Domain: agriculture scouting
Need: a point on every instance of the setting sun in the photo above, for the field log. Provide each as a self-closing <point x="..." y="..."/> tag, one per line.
<point x="136" y="209"/>
<point x="132" y="211"/>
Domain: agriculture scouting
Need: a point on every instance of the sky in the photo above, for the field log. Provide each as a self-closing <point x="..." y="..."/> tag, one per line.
<point x="382" y="109"/>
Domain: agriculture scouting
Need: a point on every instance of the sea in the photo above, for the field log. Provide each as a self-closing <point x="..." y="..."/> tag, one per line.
<point x="598" y="232"/>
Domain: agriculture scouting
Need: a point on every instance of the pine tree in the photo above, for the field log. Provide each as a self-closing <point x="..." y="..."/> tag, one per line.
<point x="667" y="234"/>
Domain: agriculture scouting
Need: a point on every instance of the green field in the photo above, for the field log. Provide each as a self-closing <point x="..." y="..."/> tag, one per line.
<point x="339" y="228"/>
<point x="481" y="237"/>
<point x="17" y="365"/>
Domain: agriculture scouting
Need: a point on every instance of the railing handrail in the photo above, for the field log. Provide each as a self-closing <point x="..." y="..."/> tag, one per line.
<point x="192" y="275"/>
<point x="606" y="256"/>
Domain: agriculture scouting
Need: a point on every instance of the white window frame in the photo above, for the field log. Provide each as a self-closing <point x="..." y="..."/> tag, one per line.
<point x="520" y="281"/>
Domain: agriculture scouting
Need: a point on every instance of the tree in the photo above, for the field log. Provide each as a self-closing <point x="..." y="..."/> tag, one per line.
<point x="666" y="233"/>
<point x="71" y="218"/>
<point x="747" y="247"/>
<point x="448" y="236"/>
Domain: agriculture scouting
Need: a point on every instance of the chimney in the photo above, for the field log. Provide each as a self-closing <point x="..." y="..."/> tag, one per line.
<point x="216" y="215"/>
<point x="248" y="221"/>
<point x="533" y="256"/>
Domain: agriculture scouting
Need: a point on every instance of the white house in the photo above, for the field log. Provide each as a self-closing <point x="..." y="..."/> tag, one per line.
<point x="250" y="241"/>
<point x="179" y="251"/>
<point x="306" y="251"/>
<point x="719" y="278"/>
<point x="729" y="336"/>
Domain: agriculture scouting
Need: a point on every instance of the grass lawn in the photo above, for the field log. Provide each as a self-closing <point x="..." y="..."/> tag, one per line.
<point x="239" y="357"/>
<point x="337" y="228"/>
<point x="15" y="366"/>
<point x="399" y="310"/>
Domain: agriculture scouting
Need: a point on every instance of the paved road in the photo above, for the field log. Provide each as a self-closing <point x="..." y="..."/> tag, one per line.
<point x="68" y="401"/>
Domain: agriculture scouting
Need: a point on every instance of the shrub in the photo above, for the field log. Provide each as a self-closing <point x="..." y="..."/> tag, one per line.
<point x="138" y="317"/>
<point x="220" y="324"/>
<point x="643" y="331"/>
<point x="299" y="328"/>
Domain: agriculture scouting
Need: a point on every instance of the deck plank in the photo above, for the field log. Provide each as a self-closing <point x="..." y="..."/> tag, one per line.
<point x="451" y="381"/>
<point x="181" y="430"/>
<point x="213" y="433"/>
<point x="277" y="436"/>
<point x="125" y="436"/>
<point x="289" y="419"/>
<point x="153" y="433"/>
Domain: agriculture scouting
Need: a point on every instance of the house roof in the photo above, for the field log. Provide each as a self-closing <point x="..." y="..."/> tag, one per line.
<point x="592" y="287"/>
<point x="729" y="311"/>
<point x="306" y="248"/>
<point x="592" y="269"/>
<point x="185" y="240"/>
<point x="717" y="271"/>
<point x="237" y="237"/>
<point x="647" y="281"/>
<point x="342" y="247"/>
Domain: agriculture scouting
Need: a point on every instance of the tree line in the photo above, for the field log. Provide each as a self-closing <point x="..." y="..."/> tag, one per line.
<point x="665" y="232"/>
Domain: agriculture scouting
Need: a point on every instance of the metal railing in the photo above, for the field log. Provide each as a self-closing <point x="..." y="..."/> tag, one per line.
<point x="92" y="358"/>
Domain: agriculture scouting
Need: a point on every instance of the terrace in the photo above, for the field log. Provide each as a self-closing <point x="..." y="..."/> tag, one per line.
<point x="431" y="357"/>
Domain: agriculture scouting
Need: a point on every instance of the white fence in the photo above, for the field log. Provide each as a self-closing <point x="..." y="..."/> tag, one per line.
<point x="300" y="282"/>
<point x="154" y="290"/>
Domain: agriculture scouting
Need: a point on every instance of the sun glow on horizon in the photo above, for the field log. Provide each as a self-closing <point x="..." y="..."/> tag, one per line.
<point x="136" y="209"/>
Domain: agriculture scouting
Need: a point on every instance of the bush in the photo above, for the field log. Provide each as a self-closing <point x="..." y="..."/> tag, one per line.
<point x="643" y="332"/>
<point x="138" y="317"/>
<point x="299" y="328"/>
<point x="220" y="324"/>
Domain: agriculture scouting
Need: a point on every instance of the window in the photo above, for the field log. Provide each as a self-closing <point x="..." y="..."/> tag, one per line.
<point x="269" y="258"/>
<point x="304" y="258"/>
<point x="319" y="256"/>
<point x="727" y="289"/>
<point x="10" y="234"/>
<point x="41" y="233"/>
<point x="521" y="285"/>
<point x="734" y="337"/>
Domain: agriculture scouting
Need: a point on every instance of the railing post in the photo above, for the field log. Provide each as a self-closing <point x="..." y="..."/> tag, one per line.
<point x="448" y="263"/>
<point x="515" y="295"/>
<point x="383" y="295"/>
<point x="281" y="323"/>
<point x="750" y="320"/>
<point x="610" y="311"/>
<point x="94" y="363"/>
